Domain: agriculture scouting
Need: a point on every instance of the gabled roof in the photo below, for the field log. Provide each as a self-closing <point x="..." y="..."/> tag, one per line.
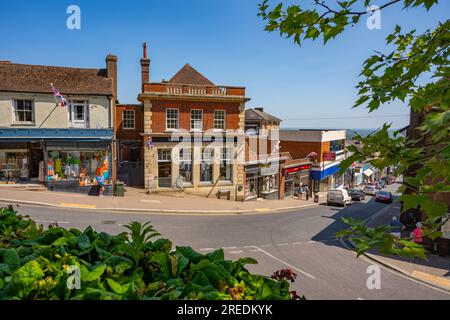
<point x="35" y="78"/>
<point x="188" y="75"/>
<point x="257" y="115"/>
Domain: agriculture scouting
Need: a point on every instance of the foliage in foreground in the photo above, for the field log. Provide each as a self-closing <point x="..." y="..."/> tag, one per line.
<point x="415" y="70"/>
<point x="34" y="264"/>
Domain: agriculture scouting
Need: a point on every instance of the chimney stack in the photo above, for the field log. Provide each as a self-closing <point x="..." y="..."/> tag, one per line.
<point x="145" y="67"/>
<point x="260" y="109"/>
<point x="111" y="69"/>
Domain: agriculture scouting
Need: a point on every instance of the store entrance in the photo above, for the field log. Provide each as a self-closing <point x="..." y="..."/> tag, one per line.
<point x="165" y="174"/>
<point x="36" y="156"/>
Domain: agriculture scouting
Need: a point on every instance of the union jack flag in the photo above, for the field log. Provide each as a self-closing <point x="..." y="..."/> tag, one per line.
<point x="59" y="97"/>
<point x="150" y="144"/>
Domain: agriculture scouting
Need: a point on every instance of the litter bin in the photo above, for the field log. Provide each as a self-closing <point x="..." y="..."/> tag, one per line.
<point x="119" y="189"/>
<point x="316" y="198"/>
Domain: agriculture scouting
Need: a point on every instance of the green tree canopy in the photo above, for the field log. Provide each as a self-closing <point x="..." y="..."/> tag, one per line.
<point x="416" y="71"/>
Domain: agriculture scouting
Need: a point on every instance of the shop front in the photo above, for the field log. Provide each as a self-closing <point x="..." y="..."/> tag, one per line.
<point x="326" y="178"/>
<point x="63" y="159"/>
<point x="74" y="167"/>
<point x="262" y="181"/>
<point x="295" y="176"/>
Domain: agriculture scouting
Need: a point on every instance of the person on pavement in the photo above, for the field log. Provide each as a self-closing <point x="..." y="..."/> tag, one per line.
<point x="396" y="227"/>
<point x="417" y="233"/>
<point x="307" y="192"/>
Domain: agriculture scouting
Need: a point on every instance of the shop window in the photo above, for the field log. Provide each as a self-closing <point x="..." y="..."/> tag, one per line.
<point x="23" y="111"/>
<point x="219" y="119"/>
<point x="81" y="166"/>
<point x="128" y="119"/>
<point x="206" y="165"/>
<point x="78" y="113"/>
<point x="269" y="183"/>
<point x="196" y="119"/>
<point x="13" y="165"/>
<point x="337" y="145"/>
<point x="172" y="119"/>
<point x="226" y="164"/>
<point x="251" y="187"/>
<point x="186" y="164"/>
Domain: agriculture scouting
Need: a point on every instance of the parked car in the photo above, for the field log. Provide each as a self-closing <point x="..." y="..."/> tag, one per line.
<point x="388" y="180"/>
<point x="356" y="194"/>
<point x="370" y="190"/>
<point x="384" y="196"/>
<point x="338" y="196"/>
<point x="381" y="183"/>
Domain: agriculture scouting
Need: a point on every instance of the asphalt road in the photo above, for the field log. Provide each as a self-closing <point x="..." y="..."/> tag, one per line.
<point x="302" y="240"/>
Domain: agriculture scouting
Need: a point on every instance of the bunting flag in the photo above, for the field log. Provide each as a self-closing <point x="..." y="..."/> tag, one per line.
<point x="150" y="144"/>
<point x="59" y="97"/>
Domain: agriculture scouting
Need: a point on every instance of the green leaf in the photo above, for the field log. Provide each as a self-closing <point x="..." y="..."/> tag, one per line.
<point x="92" y="275"/>
<point x="116" y="287"/>
<point x="11" y="259"/>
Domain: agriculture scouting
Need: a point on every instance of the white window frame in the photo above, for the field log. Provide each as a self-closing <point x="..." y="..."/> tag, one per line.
<point x="177" y="119"/>
<point x="70" y="114"/>
<point x="193" y="120"/>
<point x="165" y="153"/>
<point x="124" y="120"/>
<point x="14" y="107"/>
<point x="224" y="120"/>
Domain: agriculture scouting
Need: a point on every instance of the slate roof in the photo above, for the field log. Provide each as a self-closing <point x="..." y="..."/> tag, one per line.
<point x="257" y="115"/>
<point x="188" y="75"/>
<point x="36" y="78"/>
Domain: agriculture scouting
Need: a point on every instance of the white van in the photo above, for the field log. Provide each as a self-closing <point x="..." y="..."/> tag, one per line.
<point x="338" y="196"/>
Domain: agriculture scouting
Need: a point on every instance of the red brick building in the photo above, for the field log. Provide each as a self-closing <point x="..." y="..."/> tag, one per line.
<point x="193" y="133"/>
<point x="129" y="125"/>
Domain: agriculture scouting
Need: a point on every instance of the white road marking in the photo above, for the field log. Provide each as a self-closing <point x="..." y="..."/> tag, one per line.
<point x="283" y="244"/>
<point x="206" y="249"/>
<point x="228" y="248"/>
<point x="52" y="221"/>
<point x="236" y="251"/>
<point x="296" y="243"/>
<point x="283" y="262"/>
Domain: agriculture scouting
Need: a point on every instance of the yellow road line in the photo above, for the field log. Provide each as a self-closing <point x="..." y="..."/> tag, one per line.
<point x="440" y="281"/>
<point x="78" y="205"/>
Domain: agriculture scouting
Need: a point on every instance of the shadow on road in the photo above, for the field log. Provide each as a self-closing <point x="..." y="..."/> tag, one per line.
<point x="357" y="210"/>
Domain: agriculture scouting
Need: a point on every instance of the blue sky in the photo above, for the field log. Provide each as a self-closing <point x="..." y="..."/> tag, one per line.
<point x="224" y="40"/>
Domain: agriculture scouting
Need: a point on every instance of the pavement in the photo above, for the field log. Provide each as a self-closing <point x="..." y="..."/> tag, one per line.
<point x="434" y="271"/>
<point x="137" y="200"/>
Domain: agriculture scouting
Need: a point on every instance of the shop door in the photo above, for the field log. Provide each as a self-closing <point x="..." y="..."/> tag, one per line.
<point x="164" y="174"/>
<point x="289" y="187"/>
<point x="36" y="156"/>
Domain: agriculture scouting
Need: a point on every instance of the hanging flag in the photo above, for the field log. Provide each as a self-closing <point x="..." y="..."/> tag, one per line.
<point x="59" y="97"/>
<point x="150" y="144"/>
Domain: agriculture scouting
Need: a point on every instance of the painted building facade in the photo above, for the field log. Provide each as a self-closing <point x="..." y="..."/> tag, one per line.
<point x="44" y="141"/>
<point x="326" y="149"/>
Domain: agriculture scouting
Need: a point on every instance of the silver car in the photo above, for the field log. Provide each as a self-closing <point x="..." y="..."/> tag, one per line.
<point x="370" y="190"/>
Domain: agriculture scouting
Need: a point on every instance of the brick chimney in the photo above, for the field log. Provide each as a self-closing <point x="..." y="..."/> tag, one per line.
<point x="111" y="69"/>
<point x="145" y="66"/>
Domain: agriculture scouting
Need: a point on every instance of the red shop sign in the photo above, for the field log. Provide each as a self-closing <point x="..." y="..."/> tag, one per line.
<point x="299" y="168"/>
<point x="329" y="156"/>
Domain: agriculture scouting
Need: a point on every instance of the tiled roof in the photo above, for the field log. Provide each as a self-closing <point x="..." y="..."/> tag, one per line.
<point x="35" y="78"/>
<point x="257" y="115"/>
<point x="188" y="75"/>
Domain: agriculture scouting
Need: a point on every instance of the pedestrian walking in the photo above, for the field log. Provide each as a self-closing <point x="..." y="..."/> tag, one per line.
<point x="307" y="192"/>
<point x="101" y="184"/>
<point x="396" y="227"/>
<point x="417" y="233"/>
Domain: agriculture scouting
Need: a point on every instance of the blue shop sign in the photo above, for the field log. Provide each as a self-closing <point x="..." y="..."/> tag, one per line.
<point x="320" y="175"/>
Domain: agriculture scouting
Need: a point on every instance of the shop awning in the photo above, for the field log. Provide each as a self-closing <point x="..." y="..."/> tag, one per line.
<point x="368" y="172"/>
<point x="39" y="134"/>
